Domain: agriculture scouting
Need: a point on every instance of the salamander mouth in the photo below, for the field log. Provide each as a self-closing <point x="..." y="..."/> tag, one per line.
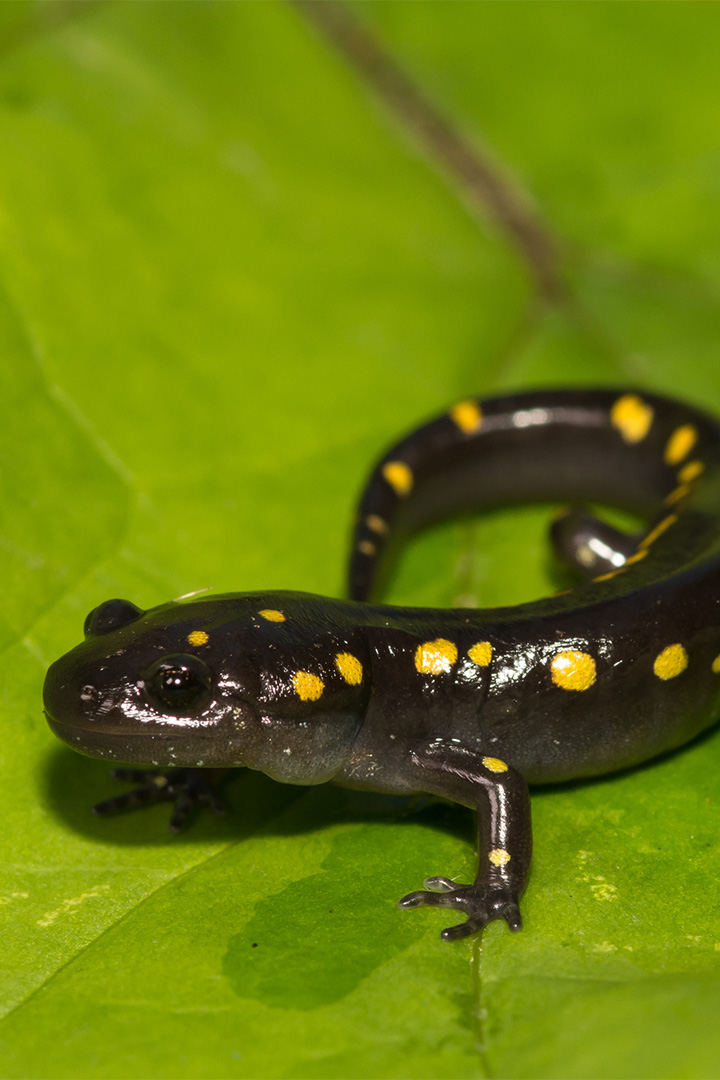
<point x="191" y="749"/>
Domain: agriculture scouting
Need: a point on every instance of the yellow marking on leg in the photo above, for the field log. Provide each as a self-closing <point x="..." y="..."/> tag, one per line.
<point x="198" y="637"/>
<point x="307" y="686"/>
<point x="494" y="764"/>
<point x="468" y="416"/>
<point x="678" y="493"/>
<point x="716" y="665"/>
<point x="399" y="476"/>
<point x="481" y="653"/>
<point x="680" y="444"/>
<point x="636" y="557"/>
<point x="499" y="856"/>
<point x="272" y="615"/>
<point x="690" y="472"/>
<point x="349" y="667"/>
<point x="435" y="657"/>
<point x="670" y="662"/>
<point x="657" y="531"/>
<point x="573" y="670"/>
<point x="632" y="417"/>
<point x="377" y="524"/>
<point x="367" y="547"/>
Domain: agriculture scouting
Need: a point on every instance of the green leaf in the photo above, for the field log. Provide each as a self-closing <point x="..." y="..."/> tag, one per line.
<point x="229" y="277"/>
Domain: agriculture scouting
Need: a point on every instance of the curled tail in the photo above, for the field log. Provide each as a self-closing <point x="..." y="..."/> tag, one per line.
<point x="626" y="448"/>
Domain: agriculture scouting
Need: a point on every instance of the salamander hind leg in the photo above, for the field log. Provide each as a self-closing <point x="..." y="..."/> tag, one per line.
<point x="185" y="788"/>
<point x="502" y="799"/>
<point x="588" y="544"/>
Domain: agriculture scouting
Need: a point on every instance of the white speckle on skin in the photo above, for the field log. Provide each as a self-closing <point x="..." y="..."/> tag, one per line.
<point x="287" y="750"/>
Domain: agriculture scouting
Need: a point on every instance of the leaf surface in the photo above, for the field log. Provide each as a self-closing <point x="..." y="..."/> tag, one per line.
<point x="228" y="279"/>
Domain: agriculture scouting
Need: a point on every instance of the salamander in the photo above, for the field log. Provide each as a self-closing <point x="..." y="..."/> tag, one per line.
<point x="468" y="704"/>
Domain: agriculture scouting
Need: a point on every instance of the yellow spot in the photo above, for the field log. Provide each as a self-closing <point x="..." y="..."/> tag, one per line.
<point x="307" y="687"/>
<point x="468" y="416"/>
<point x="690" y="472"/>
<point x="376" y="524"/>
<point x="670" y="662"/>
<point x="716" y="665"/>
<point x="499" y="856"/>
<point x="481" y="654"/>
<point x="658" y="531"/>
<point x="349" y="667"/>
<point x="272" y="615"/>
<point x="494" y="764"/>
<point x="198" y="637"/>
<point x="610" y="574"/>
<point x="367" y="547"/>
<point x="679" y="493"/>
<point x="573" y="670"/>
<point x="632" y="417"/>
<point x="636" y="557"/>
<point x="680" y="444"/>
<point x="434" y="657"/>
<point x="399" y="476"/>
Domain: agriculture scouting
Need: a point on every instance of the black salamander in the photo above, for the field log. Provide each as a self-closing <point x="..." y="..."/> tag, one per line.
<point x="470" y="705"/>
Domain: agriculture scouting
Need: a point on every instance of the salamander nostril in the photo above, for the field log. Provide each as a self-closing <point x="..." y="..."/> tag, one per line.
<point x="112" y="615"/>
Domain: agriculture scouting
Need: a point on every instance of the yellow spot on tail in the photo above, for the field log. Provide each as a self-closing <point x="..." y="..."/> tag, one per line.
<point x="678" y="493"/>
<point x="716" y="665"/>
<point x="636" y="557"/>
<point x="399" y="476"/>
<point x="272" y="615"/>
<point x="307" y="687"/>
<point x="349" y="667"/>
<point x="435" y="657"/>
<point x="610" y="574"/>
<point x="481" y="653"/>
<point x="690" y="472"/>
<point x="377" y="524"/>
<point x="499" y="856"/>
<point x="494" y="764"/>
<point x="573" y="670"/>
<point x="658" y="531"/>
<point x="680" y="444"/>
<point x="367" y="547"/>
<point x="632" y="417"/>
<point x="198" y="637"/>
<point x="670" y="662"/>
<point x="468" y="416"/>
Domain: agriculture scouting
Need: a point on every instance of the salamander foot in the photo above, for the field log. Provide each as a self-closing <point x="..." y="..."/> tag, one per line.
<point x="480" y="902"/>
<point x="185" y="788"/>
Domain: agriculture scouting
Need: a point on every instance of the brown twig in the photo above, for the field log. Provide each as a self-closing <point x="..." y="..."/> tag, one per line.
<point x="482" y="181"/>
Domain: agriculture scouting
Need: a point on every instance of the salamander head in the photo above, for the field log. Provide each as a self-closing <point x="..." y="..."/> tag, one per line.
<point x="222" y="681"/>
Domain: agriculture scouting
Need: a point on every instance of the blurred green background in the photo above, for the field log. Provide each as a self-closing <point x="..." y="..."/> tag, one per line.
<point x="230" y="276"/>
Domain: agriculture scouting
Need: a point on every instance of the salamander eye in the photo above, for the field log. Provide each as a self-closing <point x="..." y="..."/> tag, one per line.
<point x="178" y="682"/>
<point x="111" y="616"/>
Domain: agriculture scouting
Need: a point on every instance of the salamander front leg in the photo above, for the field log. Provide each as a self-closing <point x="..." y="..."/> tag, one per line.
<point x="504" y="838"/>
<point x="184" y="788"/>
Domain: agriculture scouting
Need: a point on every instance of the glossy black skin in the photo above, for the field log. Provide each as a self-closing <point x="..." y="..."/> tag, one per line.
<point x="473" y="732"/>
